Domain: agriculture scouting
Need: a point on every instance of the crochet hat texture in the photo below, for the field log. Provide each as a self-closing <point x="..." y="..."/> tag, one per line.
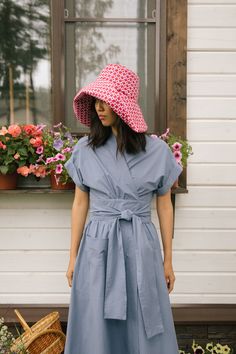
<point x="118" y="86"/>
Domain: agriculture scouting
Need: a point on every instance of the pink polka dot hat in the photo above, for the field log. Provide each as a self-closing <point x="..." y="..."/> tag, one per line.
<point x="118" y="86"/>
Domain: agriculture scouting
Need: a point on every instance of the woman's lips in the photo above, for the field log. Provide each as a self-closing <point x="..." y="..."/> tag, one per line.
<point x="101" y="117"/>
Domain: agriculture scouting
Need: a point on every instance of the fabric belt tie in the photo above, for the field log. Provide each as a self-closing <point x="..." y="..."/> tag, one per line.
<point x="115" y="301"/>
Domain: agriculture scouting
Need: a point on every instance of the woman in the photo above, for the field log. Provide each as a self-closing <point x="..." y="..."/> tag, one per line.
<point x="120" y="284"/>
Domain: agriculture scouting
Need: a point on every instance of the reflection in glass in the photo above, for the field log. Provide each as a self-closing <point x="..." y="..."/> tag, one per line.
<point x="25" y="79"/>
<point x="112" y="8"/>
<point x="126" y="44"/>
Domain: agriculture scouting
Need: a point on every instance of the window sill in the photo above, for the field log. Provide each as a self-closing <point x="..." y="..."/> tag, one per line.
<point x="36" y="191"/>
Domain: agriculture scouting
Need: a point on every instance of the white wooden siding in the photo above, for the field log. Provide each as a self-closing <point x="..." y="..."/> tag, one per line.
<point x="35" y="229"/>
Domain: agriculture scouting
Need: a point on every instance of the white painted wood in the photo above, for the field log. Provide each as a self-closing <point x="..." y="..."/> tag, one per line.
<point x="205" y="152"/>
<point x="211" y="130"/>
<point x="204" y="261"/>
<point x="211" y="63"/>
<point x="211" y="174"/>
<point x="34" y="260"/>
<point x="211" y="39"/>
<point x="213" y="2"/>
<point x="212" y="85"/>
<point x="33" y="282"/>
<point x="202" y="298"/>
<point x="208" y="196"/>
<point x="206" y="240"/>
<point x="212" y="16"/>
<point x="211" y="107"/>
<point x="35" y="239"/>
<point x="37" y="299"/>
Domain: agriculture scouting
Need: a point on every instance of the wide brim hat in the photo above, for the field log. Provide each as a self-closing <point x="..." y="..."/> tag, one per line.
<point x="118" y="86"/>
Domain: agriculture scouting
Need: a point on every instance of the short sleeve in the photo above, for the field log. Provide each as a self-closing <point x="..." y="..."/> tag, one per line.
<point x="74" y="167"/>
<point x="170" y="170"/>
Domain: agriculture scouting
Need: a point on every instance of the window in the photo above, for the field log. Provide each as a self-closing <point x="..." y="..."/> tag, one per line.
<point x="25" y="78"/>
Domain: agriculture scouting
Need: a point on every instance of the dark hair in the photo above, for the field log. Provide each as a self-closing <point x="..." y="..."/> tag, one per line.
<point x="127" y="139"/>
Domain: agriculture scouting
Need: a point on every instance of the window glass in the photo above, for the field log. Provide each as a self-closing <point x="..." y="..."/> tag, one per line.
<point x="25" y="78"/>
<point x="112" y="8"/>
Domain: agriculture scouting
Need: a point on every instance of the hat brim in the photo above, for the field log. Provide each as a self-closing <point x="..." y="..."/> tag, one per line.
<point x="125" y="107"/>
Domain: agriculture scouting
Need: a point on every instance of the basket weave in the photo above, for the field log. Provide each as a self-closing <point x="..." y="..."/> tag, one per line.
<point x="44" y="337"/>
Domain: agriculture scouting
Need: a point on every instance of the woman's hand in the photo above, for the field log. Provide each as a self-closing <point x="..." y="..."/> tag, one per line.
<point x="70" y="271"/>
<point x="169" y="275"/>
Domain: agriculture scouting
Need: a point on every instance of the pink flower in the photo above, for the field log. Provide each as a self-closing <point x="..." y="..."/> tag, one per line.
<point x="153" y="136"/>
<point x="55" y="158"/>
<point x="36" y="142"/>
<point x="14" y="130"/>
<point x="177" y="155"/>
<point x="49" y="160"/>
<point x="3" y="131"/>
<point x="176" y="146"/>
<point x="39" y="150"/>
<point x="67" y="149"/>
<point x="2" y="146"/>
<point x="59" y="168"/>
<point x="23" y="170"/>
<point x="165" y="135"/>
<point x="60" y="157"/>
<point x="16" y="156"/>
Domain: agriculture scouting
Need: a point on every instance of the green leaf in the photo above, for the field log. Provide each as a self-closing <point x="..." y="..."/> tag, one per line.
<point x="4" y="169"/>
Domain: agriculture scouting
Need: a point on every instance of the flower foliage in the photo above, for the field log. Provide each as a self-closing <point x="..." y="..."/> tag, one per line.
<point x="179" y="146"/>
<point x="209" y="348"/>
<point x="59" y="147"/>
<point x="7" y="340"/>
<point x="18" y="144"/>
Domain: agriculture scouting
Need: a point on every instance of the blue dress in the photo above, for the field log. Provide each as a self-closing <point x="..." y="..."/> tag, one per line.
<point x="119" y="298"/>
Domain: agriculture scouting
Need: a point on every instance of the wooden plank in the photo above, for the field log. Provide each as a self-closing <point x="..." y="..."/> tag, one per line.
<point x="206" y="283"/>
<point x="205" y="218"/>
<point x="211" y="130"/>
<point x="213" y="152"/>
<point x="204" y="261"/>
<point x="34" y="261"/>
<point x="211" y="62"/>
<point x="176" y="66"/>
<point x="211" y="85"/>
<point x="34" y="282"/>
<point x="35" y="239"/>
<point x="213" y="2"/>
<point x="202" y="298"/>
<point x="211" y="174"/>
<point x="208" y="196"/>
<point x="211" y="15"/>
<point x="36" y="202"/>
<point x="211" y="39"/>
<point x="27" y="218"/>
<point x="222" y="240"/>
<point x="205" y="107"/>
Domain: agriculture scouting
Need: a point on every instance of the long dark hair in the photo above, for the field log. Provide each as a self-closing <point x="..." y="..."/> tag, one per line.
<point x="127" y="139"/>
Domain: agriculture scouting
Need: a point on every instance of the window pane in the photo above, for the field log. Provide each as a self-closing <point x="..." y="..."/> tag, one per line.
<point x="98" y="45"/>
<point x="112" y="8"/>
<point x="25" y="79"/>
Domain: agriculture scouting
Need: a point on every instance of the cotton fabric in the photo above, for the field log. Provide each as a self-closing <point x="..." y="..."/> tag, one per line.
<point x="119" y="298"/>
<point x="118" y="86"/>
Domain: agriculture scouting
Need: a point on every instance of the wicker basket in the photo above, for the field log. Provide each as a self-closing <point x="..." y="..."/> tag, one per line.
<point x="44" y="337"/>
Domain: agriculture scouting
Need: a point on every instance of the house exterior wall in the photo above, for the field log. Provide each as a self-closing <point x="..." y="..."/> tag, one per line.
<point x="35" y="227"/>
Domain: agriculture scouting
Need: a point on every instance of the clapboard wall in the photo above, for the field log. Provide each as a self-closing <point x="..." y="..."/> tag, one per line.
<point x="35" y="228"/>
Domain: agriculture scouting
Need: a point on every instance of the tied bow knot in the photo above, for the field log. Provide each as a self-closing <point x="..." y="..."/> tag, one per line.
<point x="126" y="214"/>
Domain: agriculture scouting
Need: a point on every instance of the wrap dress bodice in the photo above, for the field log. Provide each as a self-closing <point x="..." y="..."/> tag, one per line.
<point x="121" y="188"/>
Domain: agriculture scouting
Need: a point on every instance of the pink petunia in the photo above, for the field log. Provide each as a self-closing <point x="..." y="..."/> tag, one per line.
<point x="59" y="168"/>
<point x="67" y="149"/>
<point x="177" y="155"/>
<point x="176" y="146"/>
<point x="49" y="160"/>
<point x="39" y="150"/>
<point x="60" y="157"/>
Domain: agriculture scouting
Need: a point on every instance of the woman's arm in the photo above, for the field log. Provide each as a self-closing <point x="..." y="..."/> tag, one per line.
<point x="78" y="218"/>
<point x="165" y="216"/>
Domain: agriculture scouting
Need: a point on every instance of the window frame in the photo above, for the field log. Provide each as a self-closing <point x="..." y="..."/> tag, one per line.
<point x="170" y="78"/>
